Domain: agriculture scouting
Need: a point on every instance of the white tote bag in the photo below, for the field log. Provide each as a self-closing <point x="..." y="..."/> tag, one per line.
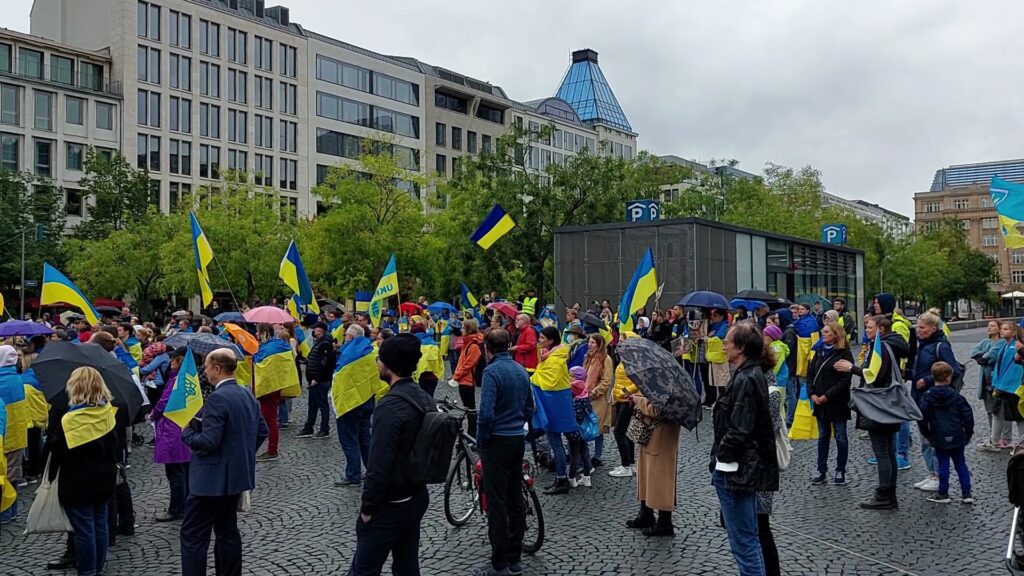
<point x="46" y="515"/>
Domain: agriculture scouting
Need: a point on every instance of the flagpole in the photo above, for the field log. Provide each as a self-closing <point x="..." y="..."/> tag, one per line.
<point x="226" y="283"/>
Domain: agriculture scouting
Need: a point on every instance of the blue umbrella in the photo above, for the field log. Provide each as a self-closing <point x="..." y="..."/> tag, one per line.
<point x="234" y="317"/>
<point x="438" y="307"/>
<point x="23" y="328"/>
<point x="704" y="299"/>
<point x="750" y="305"/>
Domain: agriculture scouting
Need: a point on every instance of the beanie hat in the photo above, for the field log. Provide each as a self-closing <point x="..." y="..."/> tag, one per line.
<point x="773" y="332"/>
<point x="400" y="353"/>
<point x="577" y="373"/>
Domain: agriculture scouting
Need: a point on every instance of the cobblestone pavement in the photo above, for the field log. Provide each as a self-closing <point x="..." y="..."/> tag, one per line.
<point x="301" y="524"/>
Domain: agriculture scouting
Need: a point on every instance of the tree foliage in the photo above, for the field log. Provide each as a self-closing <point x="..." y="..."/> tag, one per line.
<point x="28" y="204"/>
<point x="119" y="191"/>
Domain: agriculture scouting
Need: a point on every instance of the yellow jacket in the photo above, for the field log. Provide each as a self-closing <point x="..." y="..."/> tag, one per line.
<point x="624" y="387"/>
<point x="38" y="407"/>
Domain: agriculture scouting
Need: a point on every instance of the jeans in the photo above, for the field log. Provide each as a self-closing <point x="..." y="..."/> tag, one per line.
<point x="739" y="514"/>
<point x="11" y="513"/>
<point x="270" y="409"/>
<point x="884" y="446"/>
<point x="502" y="460"/>
<point x="393" y="529"/>
<point x="89" y="521"/>
<point x="903" y="440"/>
<point x="928" y="453"/>
<point x="792" y="396"/>
<point x="201" y="514"/>
<point x="354" y="436"/>
<point x="318" y="404"/>
<point x="942" y="458"/>
<point x="177" y="478"/>
<point x="283" y="410"/>
<point x="579" y="457"/>
<point x="769" y="551"/>
<point x="599" y="447"/>
<point x="627" y="449"/>
<point x="824" y="439"/>
<point x="558" y="451"/>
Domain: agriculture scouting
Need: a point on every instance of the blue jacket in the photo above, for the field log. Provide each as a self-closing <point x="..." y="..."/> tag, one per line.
<point x="224" y="450"/>
<point x="506" y="399"/>
<point x="156" y="365"/>
<point x="929" y="351"/>
<point x="948" y="421"/>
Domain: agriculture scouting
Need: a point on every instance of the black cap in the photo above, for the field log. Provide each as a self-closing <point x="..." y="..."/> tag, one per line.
<point x="401" y="354"/>
<point x="322" y="325"/>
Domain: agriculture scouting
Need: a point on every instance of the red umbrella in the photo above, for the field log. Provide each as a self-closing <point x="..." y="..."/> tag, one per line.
<point x="504" y="308"/>
<point x="410" y="308"/>
<point x="268" y="314"/>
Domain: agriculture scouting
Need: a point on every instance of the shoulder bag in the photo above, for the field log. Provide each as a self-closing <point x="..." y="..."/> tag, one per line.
<point x="46" y="516"/>
<point x="641" y="428"/>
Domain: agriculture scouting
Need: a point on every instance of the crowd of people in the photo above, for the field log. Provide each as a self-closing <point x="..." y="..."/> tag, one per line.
<point x="527" y="377"/>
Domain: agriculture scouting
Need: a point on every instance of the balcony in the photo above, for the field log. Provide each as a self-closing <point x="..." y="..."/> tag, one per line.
<point x="30" y="69"/>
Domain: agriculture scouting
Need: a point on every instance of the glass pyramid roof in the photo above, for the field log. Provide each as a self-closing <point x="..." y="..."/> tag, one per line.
<point x="586" y="89"/>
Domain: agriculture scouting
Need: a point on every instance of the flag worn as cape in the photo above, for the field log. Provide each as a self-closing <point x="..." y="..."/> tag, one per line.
<point x="356" y="377"/>
<point x="84" y="423"/>
<point x="12" y="394"/>
<point x="430" y="358"/>
<point x="8" y="494"/>
<point x="274" y="368"/>
<point x="806" y="335"/>
<point x="551" y="388"/>
<point x="134" y="348"/>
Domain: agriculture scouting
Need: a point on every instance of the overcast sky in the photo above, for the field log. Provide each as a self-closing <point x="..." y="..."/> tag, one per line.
<point x="877" y="95"/>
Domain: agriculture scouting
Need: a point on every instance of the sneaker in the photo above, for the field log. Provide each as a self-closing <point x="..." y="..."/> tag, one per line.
<point x="939" y="498"/>
<point x="284" y="426"/>
<point x="922" y="482"/>
<point x="840" y="479"/>
<point x="305" y="434"/>
<point x="873" y="461"/>
<point x="987" y="445"/>
<point x="621" y="472"/>
<point x="902" y="463"/>
<point x="819" y="479"/>
<point x="322" y="435"/>
<point x="267" y="457"/>
<point x="584" y="481"/>
<point x="864" y="435"/>
<point x="932" y="485"/>
<point x="515" y="569"/>
<point x="968" y="499"/>
<point x="346" y="483"/>
<point x="573" y="482"/>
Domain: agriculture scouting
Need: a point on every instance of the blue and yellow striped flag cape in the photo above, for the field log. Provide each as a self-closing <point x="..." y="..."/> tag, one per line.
<point x="203" y="257"/>
<point x="643" y="285"/>
<point x="356" y="378"/>
<point x="8" y="494"/>
<point x="807" y="334"/>
<point x="495" y="225"/>
<point x="293" y="274"/>
<point x="83" y="423"/>
<point x="386" y="288"/>
<point x="1008" y="198"/>
<point x="274" y="369"/>
<point x="186" y="398"/>
<point x="430" y="358"/>
<point x="303" y="339"/>
<point x="57" y="288"/>
<point x="446" y="338"/>
<point x="134" y="347"/>
<point x="551" y="390"/>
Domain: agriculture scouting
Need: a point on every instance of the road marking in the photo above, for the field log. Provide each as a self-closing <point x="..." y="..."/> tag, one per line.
<point x="847" y="550"/>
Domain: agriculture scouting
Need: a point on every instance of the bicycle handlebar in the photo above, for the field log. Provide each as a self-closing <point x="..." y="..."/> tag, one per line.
<point x="449" y="405"/>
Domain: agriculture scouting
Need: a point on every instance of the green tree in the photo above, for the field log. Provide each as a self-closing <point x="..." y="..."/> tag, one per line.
<point x="35" y="206"/>
<point x="120" y="194"/>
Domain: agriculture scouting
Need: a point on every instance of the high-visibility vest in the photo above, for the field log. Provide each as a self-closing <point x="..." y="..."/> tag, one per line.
<point x="530" y="305"/>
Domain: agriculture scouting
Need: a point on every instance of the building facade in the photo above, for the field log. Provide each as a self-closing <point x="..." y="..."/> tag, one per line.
<point x="56" y="101"/>
<point x="894" y="224"/>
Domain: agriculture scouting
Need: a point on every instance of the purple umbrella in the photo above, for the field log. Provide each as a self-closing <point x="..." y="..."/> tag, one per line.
<point x="23" y="328"/>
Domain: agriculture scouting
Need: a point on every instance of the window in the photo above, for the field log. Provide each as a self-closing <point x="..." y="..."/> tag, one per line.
<point x="337" y="144"/>
<point x="236" y="46"/>
<point x="986" y="202"/>
<point x="43" y="110"/>
<point x="989" y="223"/>
<point x="180" y="160"/>
<point x="440" y="132"/>
<point x="179" y="26"/>
<point x="933" y="207"/>
<point x="441" y="164"/>
<point x="180" y="114"/>
<point x="989" y="240"/>
<point x="10" y="148"/>
<point x="1017" y="257"/>
<point x="74" y="110"/>
<point x="581" y="144"/>
<point x="104" y="116"/>
<point x="1017" y="276"/>
<point x="396" y="122"/>
<point x="238" y="160"/>
<point x="289" y="134"/>
<point x="73" y="202"/>
<point x="6" y="57"/>
<point x="149" y="108"/>
<point x="179" y="193"/>
<point x="264" y="131"/>
<point x="149" y="21"/>
<point x="342" y="109"/>
<point x="148" y="152"/>
<point x="30" y="63"/>
<point x="62" y="70"/>
<point x="485" y="143"/>
<point x="44" y="158"/>
<point x="627" y="151"/>
<point x="287" y="58"/>
<point x="209" y="79"/>
<point x="263" y="53"/>
<point x="209" y="161"/>
<point x="490" y="114"/>
<point x="287" y="173"/>
<point x="395" y="89"/>
<point x="456" y="138"/>
<point x="237" y="86"/>
<point x="264" y="167"/>
<point x="961" y="203"/>
<point x="471" y="142"/>
<point x="263" y="92"/>
<point x="180" y="72"/>
<point x="963" y="224"/>
<point x="10" y="105"/>
<point x="238" y="126"/>
<point x="75" y="154"/>
<point x="209" y="38"/>
<point x="408" y="158"/>
<point x="149" y="64"/>
<point x="90" y="76"/>
<point x="288" y="98"/>
<point x="342" y="74"/>
<point x="449" y="102"/>
<point x="154" y="192"/>
<point x="209" y="120"/>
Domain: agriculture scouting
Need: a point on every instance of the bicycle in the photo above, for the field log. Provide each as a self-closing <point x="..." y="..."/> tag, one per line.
<point x="465" y="483"/>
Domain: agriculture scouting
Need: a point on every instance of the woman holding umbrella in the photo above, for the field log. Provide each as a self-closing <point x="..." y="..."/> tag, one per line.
<point x="656" y="471"/>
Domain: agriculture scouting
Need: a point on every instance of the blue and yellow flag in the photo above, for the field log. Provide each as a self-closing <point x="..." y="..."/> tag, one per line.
<point x="274" y="368"/>
<point x="552" y="394"/>
<point x="8" y="493"/>
<point x="84" y="423"/>
<point x="497" y="224"/>
<point x="203" y="257"/>
<point x="294" y="276"/>
<point x="356" y="377"/>
<point x="134" y="347"/>
<point x="1008" y="198"/>
<point x="186" y="398"/>
<point x="643" y="285"/>
<point x="58" y="289"/>
<point x="807" y="334"/>
<point x="386" y="288"/>
<point x="805" y="425"/>
<point x="303" y="339"/>
<point x="430" y="358"/>
<point x="875" y="362"/>
<point x="294" y="307"/>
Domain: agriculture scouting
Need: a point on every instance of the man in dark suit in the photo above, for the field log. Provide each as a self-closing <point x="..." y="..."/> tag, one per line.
<point x="224" y="443"/>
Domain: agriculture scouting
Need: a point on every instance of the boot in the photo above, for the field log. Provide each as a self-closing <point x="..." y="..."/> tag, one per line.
<point x="644" y="518"/>
<point x="881" y="502"/>
<point x="663" y="527"/>
<point x="561" y="486"/>
<point x="66" y="560"/>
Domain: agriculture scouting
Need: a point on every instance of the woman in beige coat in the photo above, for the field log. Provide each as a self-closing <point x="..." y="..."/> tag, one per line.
<point x="600" y="374"/>
<point x="656" y="473"/>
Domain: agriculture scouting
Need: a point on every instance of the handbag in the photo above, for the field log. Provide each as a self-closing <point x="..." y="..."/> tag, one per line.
<point x="891" y="405"/>
<point x="641" y="428"/>
<point x="588" y="429"/>
<point x="720" y="374"/>
<point x="46" y="515"/>
<point x="783" y="452"/>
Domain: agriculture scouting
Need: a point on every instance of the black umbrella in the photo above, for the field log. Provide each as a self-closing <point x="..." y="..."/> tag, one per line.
<point x="107" y="310"/>
<point x="55" y="363"/>
<point x="755" y="294"/>
<point x="661" y="380"/>
<point x="338" y="306"/>
<point x="592" y="320"/>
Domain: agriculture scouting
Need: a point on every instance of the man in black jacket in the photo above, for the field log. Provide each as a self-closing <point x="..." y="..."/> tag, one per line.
<point x="319" y="373"/>
<point x="392" y="508"/>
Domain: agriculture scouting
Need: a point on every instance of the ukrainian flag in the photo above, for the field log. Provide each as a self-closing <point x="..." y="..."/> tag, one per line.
<point x="84" y="423"/>
<point x="807" y="334"/>
<point x="294" y="276"/>
<point x="805" y="426"/>
<point x="643" y="285"/>
<point x="8" y="494"/>
<point x="294" y="307"/>
<point x="203" y="257"/>
<point x="446" y="338"/>
<point x="356" y="378"/>
<point x="274" y="368"/>
<point x="386" y="288"/>
<point x="186" y="398"/>
<point x="1008" y="198"/>
<point x="875" y="362"/>
<point x="470" y="302"/>
<point x="303" y="340"/>
<point x="134" y="347"/>
<point x="497" y="224"/>
<point x="430" y="358"/>
<point x="551" y="390"/>
<point x="58" y="289"/>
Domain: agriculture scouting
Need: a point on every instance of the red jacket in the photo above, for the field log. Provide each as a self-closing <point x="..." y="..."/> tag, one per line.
<point x="525" y="350"/>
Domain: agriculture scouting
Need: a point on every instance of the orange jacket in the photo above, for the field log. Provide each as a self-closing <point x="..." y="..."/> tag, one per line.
<point x="468" y="359"/>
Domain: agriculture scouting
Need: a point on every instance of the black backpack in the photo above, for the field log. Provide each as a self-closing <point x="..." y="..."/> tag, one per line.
<point x="431" y="453"/>
<point x="1015" y="479"/>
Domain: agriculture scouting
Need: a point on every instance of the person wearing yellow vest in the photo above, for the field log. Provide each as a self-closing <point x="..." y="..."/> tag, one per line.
<point x="530" y="303"/>
<point x="84" y="452"/>
<point x="12" y="392"/>
<point x="715" y="373"/>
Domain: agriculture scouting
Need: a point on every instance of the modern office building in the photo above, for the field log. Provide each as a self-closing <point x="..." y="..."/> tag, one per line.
<point x="55" y="102"/>
<point x="893" y="223"/>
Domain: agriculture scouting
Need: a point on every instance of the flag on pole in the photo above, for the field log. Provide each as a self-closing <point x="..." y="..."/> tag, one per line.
<point x="294" y="276"/>
<point x="875" y="363"/>
<point x="640" y="289"/>
<point x="203" y="257"/>
<point x="186" y="398"/>
<point x="386" y="288"/>
<point x="497" y="224"/>
<point x="294" y="307"/>
<point x="1008" y="198"/>
<point x="57" y="289"/>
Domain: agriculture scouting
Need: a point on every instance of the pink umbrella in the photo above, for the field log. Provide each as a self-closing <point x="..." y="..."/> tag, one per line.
<point x="269" y="315"/>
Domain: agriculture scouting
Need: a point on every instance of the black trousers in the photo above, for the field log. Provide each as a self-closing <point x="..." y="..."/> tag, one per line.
<point x="177" y="480"/>
<point x="468" y="396"/>
<point x="34" y="464"/>
<point x="394" y="529"/>
<point x="883" y="444"/>
<point x="627" y="449"/>
<point x="201" y="514"/>
<point x="769" y="552"/>
<point x="428" y="382"/>
<point x="319" y="403"/>
<point x="710" y="392"/>
<point x="506" y="510"/>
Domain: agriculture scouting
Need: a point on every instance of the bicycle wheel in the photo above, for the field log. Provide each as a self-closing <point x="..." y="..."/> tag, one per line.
<point x="460" y="496"/>
<point x="534" y="536"/>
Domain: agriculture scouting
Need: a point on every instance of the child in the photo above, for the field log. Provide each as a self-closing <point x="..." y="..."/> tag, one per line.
<point x="579" y="451"/>
<point x="948" y="424"/>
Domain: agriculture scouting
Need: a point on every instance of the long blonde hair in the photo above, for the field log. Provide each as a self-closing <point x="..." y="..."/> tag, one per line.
<point x="841" y="338"/>
<point x="86" y="386"/>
